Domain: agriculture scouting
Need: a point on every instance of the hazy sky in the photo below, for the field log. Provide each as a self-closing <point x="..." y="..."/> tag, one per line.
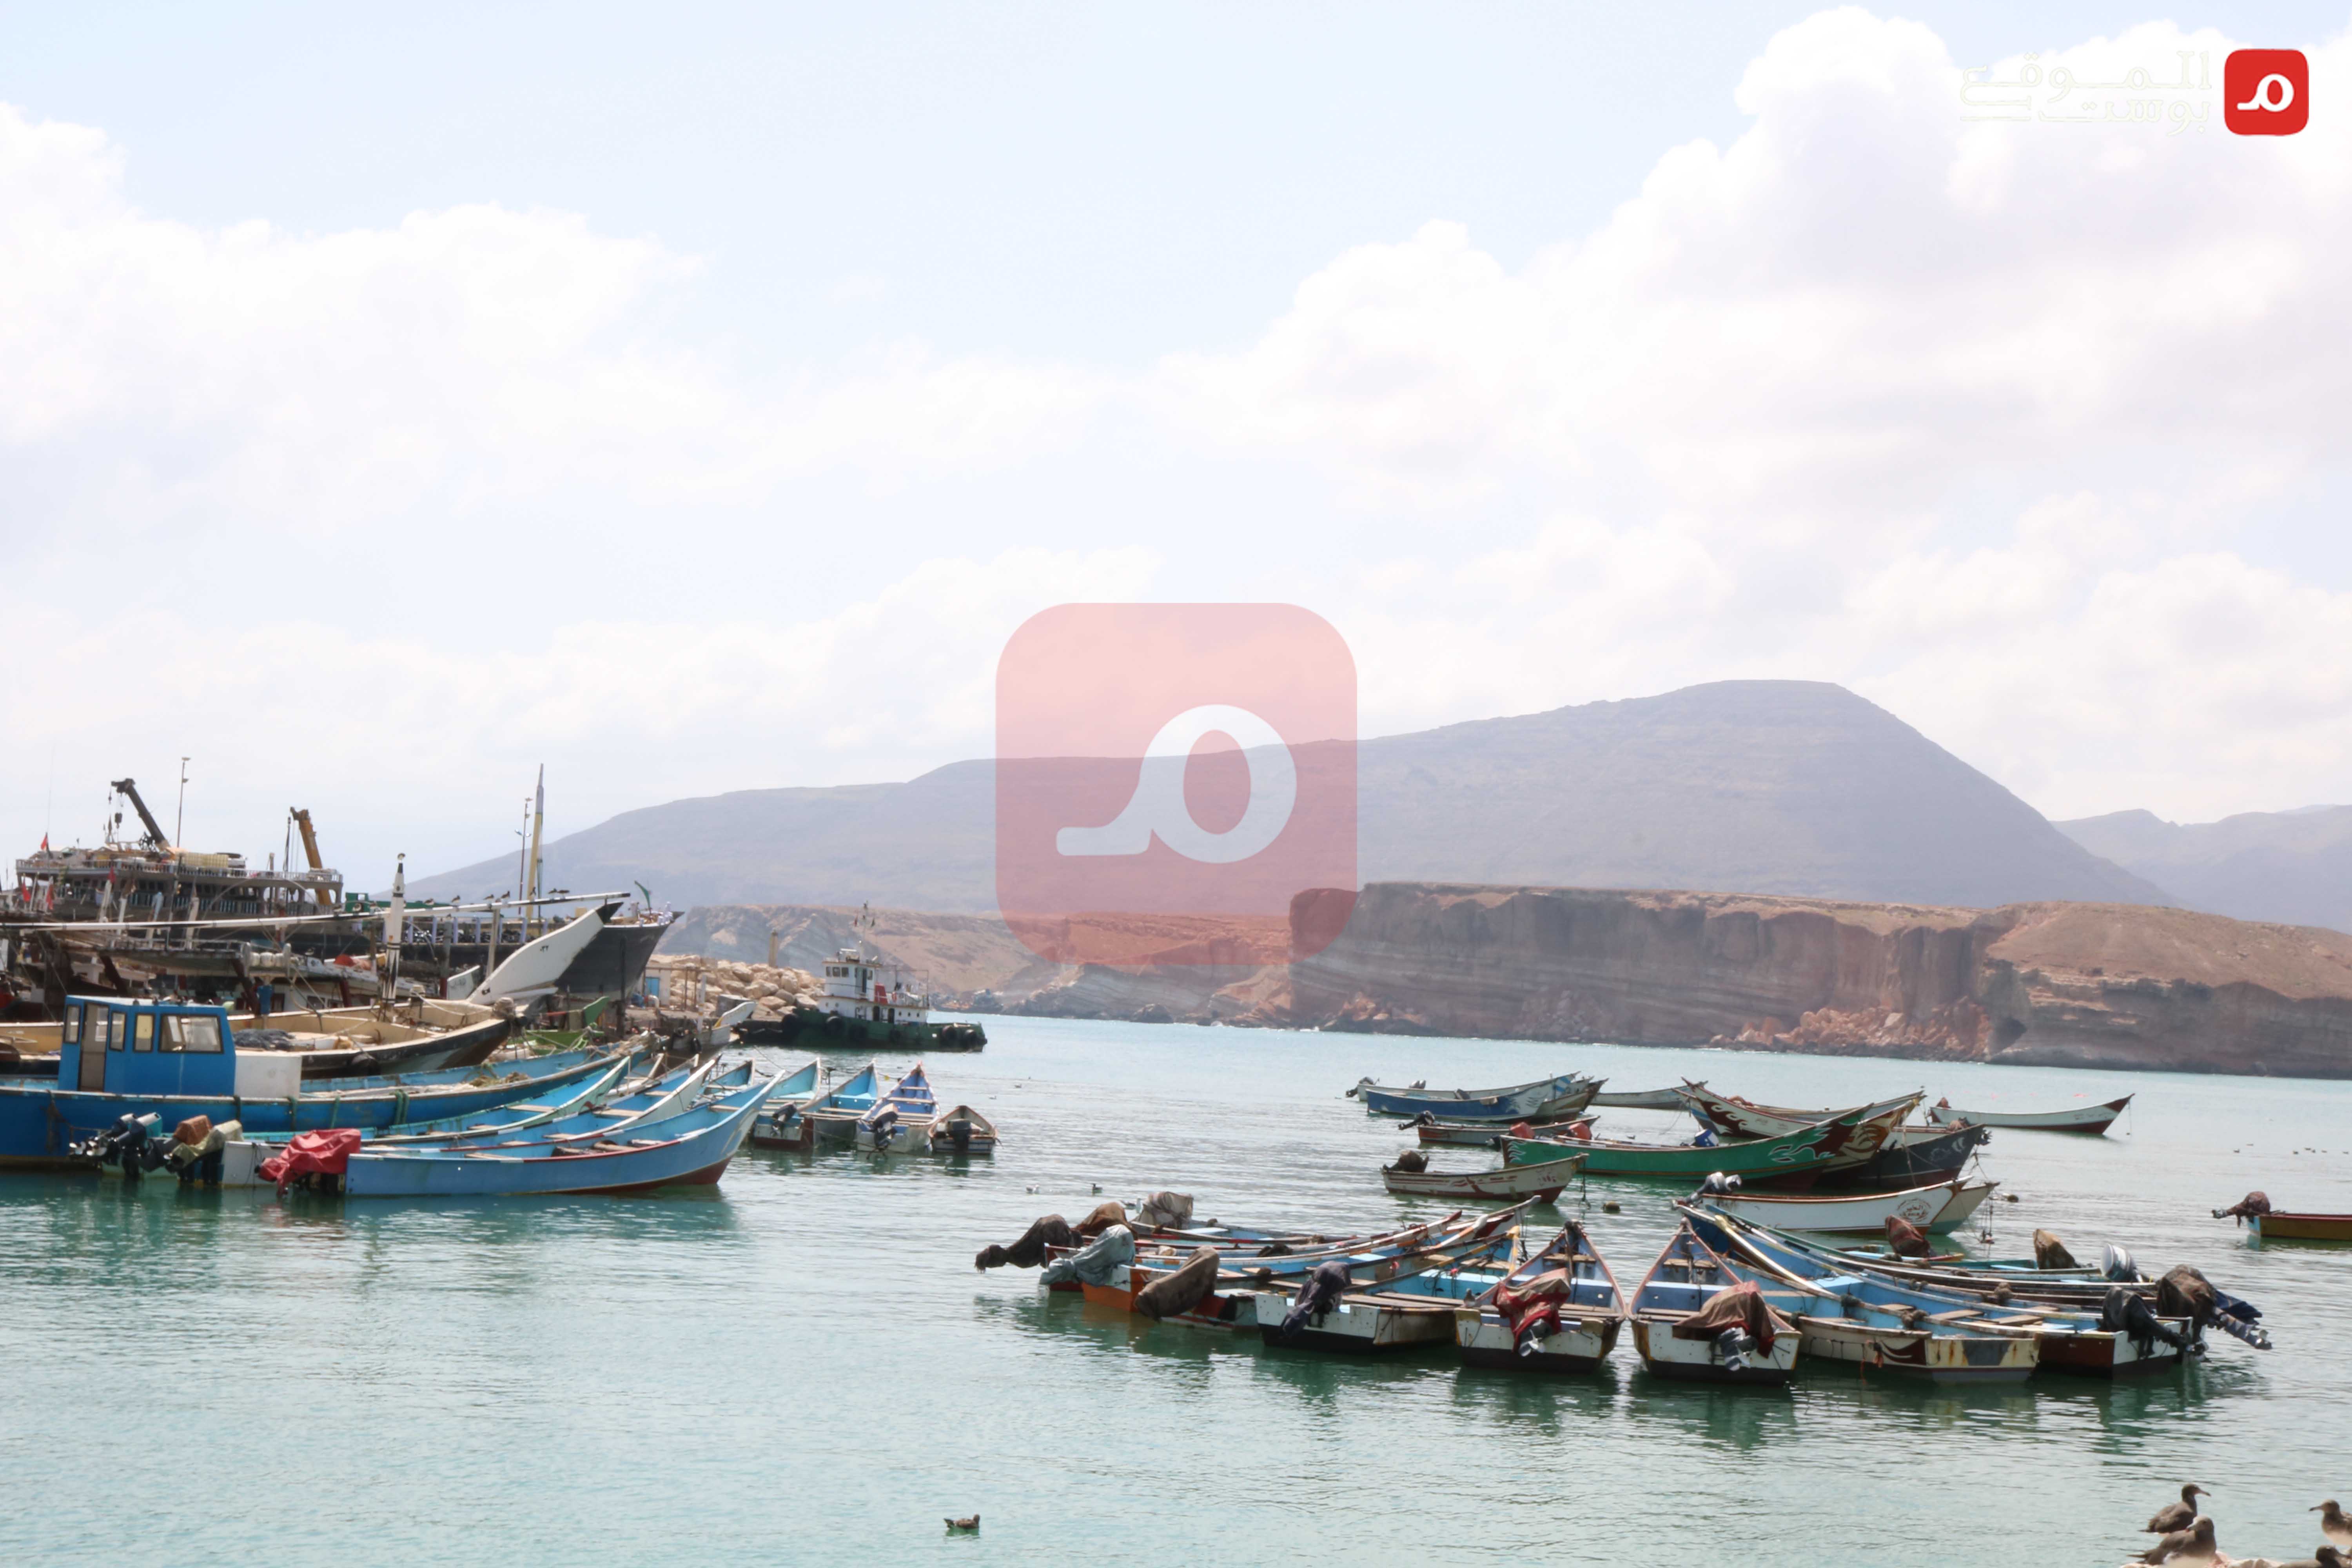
<point x="695" y="399"/>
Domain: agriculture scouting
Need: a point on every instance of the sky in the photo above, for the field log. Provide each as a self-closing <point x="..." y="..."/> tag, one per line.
<point x="391" y="403"/>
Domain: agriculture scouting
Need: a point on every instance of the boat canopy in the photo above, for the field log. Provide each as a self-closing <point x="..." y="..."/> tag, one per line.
<point x="123" y="1045"/>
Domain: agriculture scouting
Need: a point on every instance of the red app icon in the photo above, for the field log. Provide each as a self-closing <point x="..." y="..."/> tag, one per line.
<point x="1175" y="784"/>
<point x="2267" y="93"/>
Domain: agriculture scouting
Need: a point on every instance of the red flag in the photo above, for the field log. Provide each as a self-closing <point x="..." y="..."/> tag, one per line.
<point x="45" y="843"/>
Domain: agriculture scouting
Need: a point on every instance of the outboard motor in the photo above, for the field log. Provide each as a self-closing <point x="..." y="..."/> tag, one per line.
<point x="2116" y="1265"/>
<point x="885" y="1129"/>
<point x="1734" y="1345"/>
<point x="123" y="1144"/>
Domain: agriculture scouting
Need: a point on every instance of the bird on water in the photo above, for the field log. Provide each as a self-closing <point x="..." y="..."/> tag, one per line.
<point x="2179" y="1515"/>
<point x="2185" y="1548"/>
<point x="2334" y="1523"/>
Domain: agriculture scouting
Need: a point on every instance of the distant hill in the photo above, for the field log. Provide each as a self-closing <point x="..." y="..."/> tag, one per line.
<point x="2293" y="867"/>
<point x="1762" y="786"/>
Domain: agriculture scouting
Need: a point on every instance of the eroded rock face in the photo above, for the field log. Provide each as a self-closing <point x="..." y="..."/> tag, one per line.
<point x="2073" y="985"/>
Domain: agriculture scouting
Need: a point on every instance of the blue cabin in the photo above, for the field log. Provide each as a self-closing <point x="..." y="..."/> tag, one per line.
<point x="122" y="1045"/>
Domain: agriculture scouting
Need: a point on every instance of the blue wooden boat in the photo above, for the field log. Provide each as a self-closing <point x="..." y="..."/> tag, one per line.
<point x="691" y="1149"/>
<point x="1592" y="1311"/>
<point x="122" y="1057"/>
<point x="2064" y="1341"/>
<point x="1687" y="1277"/>
<point x="1411" y="1299"/>
<point x="1545" y="1098"/>
<point x="900" y="1120"/>
<point x="2064" y="1310"/>
<point x="834" y="1114"/>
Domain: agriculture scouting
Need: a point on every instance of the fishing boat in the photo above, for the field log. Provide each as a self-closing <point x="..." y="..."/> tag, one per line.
<point x="2279" y="1225"/>
<point x="125" y="1057"/>
<point x="1640" y="1099"/>
<point x="831" y="1116"/>
<point x="960" y="1130"/>
<point x="410" y="1036"/>
<point x="1550" y="1098"/>
<point x="1838" y="1320"/>
<point x="1688" y="1277"/>
<point x="1410" y="1301"/>
<point x="1543" y="1181"/>
<point x="1937" y="1210"/>
<point x="1435" y="1133"/>
<point x="2094" y="1118"/>
<point x="1241" y="1278"/>
<point x="1569" y="1284"/>
<point x="1738" y="1118"/>
<point x="1912" y="1156"/>
<point x="2065" y="1339"/>
<point x="688" y="1150"/>
<point x="1791" y="1159"/>
<point x="900" y="1120"/>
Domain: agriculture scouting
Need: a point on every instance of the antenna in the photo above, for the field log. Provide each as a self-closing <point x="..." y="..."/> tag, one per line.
<point x="180" y="821"/>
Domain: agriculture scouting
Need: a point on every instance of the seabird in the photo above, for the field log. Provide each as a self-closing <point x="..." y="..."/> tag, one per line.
<point x="2179" y="1515"/>
<point x="2334" y="1523"/>
<point x="2193" y="1545"/>
<point x="966" y="1526"/>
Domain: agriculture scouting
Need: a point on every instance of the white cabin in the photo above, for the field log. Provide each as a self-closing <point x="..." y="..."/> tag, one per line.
<point x="875" y="990"/>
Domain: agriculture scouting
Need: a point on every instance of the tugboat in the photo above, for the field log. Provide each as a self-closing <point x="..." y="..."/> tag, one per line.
<point x="868" y="1001"/>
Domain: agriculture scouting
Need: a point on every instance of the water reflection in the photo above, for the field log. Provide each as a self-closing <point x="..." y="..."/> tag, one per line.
<point x="1716" y="1415"/>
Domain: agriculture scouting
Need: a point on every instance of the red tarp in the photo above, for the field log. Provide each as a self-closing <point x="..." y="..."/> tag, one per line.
<point x="1533" y="1310"/>
<point x="329" y="1151"/>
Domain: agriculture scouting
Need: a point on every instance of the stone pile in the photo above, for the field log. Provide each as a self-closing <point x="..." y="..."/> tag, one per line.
<point x="776" y="991"/>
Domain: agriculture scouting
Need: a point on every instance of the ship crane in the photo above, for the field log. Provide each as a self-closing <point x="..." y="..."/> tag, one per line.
<point x="309" y="837"/>
<point x="130" y="790"/>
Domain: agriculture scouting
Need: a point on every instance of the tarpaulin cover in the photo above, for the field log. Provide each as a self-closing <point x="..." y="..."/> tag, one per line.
<point x="1905" y="1239"/>
<point x="2049" y="1252"/>
<point x="329" y="1151"/>
<point x="1101" y="1217"/>
<point x="1533" y="1308"/>
<point x="1093" y="1264"/>
<point x="1317" y="1296"/>
<point x="1740" y="1307"/>
<point x="1165" y="1209"/>
<point x="1182" y="1290"/>
<point x="1047" y="1230"/>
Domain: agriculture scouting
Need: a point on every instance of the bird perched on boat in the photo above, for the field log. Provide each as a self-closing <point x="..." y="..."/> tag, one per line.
<point x="2185" y="1547"/>
<point x="2325" y="1557"/>
<point x="2179" y="1515"/>
<point x="964" y="1526"/>
<point x="2334" y="1523"/>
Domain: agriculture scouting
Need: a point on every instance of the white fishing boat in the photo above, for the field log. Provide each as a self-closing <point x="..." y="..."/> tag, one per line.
<point x="2081" y="1118"/>
<point x="1570" y="1282"/>
<point x="960" y="1130"/>
<point x="1542" y="1182"/>
<point x="1687" y="1278"/>
<point x="1936" y="1210"/>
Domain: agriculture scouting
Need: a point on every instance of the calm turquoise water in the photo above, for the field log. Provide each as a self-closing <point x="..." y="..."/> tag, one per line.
<point x="803" y="1366"/>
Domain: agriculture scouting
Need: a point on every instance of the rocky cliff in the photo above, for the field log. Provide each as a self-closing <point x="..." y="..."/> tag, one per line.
<point x="2058" y="983"/>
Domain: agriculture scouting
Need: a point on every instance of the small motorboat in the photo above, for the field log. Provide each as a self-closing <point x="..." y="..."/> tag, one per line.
<point x="960" y="1130"/>
<point x="1761" y="1347"/>
<point x="1543" y="1182"/>
<point x="2094" y="1118"/>
<point x="1438" y="1134"/>
<point x="1550" y="1098"/>
<point x="1741" y="1120"/>
<point x="1937" y="1210"/>
<point x="2279" y="1225"/>
<point x="1559" y="1311"/>
<point x="900" y="1120"/>
<point x="1640" y="1099"/>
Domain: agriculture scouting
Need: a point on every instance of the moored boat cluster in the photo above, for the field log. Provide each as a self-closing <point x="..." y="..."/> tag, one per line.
<point x="1760" y="1276"/>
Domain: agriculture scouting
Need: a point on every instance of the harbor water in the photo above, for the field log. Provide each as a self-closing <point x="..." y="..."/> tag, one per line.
<point x="802" y="1365"/>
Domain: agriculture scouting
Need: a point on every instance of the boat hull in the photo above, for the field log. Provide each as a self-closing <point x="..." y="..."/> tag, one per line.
<point x="1485" y="1341"/>
<point x="1906" y="1160"/>
<point x="1357" y="1328"/>
<point x="1699" y="1361"/>
<point x="1939" y="1358"/>
<point x="1543" y="1182"/>
<point x="37" y="1124"/>
<point x="2090" y="1118"/>
<point x="2278" y="1226"/>
<point x="1936" y="1210"/>
<point x="1550" y="1098"/>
